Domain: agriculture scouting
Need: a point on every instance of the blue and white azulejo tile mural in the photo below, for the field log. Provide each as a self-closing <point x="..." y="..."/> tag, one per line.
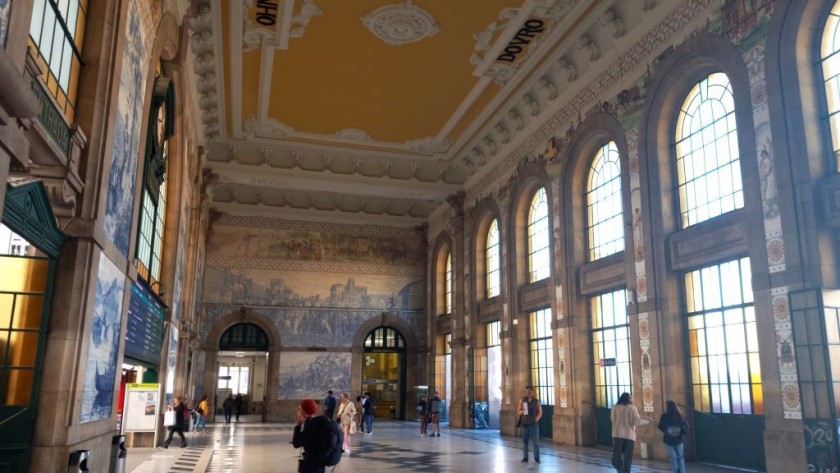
<point x="5" y="11"/>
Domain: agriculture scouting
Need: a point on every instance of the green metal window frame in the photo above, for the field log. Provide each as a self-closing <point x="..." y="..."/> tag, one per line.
<point x="542" y="356"/>
<point x="244" y="336"/>
<point x="611" y="341"/>
<point x="384" y="338"/>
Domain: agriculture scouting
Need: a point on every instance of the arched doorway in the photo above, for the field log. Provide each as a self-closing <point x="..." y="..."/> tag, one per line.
<point x="242" y="370"/>
<point x="383" y="370"/>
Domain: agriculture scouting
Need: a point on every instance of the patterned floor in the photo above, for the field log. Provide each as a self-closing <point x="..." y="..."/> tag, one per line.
<point x="394" y="446"/>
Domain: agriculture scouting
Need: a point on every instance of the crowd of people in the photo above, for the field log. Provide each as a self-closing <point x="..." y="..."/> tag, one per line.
<point x="324" y="436"/>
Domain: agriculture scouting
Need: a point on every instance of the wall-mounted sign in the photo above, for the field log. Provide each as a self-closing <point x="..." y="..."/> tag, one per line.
<point x="141" y="407"/>
<point x="266" y="13"/>
<point x="144" y="334"/>
<point x="607" y="361"/>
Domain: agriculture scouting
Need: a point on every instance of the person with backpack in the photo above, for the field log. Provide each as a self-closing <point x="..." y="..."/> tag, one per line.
<point x="434" y="411"/>
<point x="674" y="427"/>
<point x="369" y="408"/>
<point x="329" y="405"/>
<point x="182" y="422"/>
<point x="202" y="410"/>
<point x="320" y="438"/>
<point x="346" y="417"/>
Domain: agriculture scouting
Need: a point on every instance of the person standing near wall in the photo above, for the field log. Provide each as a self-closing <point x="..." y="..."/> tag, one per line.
<point x="625" y="418"/>
<point x="673" y="425"/>
<point x="434" y="412"/>
<point x="369" y="409"/>
<point x="530" y="412"/>
<point x="423" y="411"/>
<point x="228" y="408"/>
<point x="329" y="405"/>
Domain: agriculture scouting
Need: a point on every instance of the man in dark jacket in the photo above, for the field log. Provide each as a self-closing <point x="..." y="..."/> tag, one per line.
<point x="329" y="405"/>
<point x="309" y="434"/>
<point x="369" y="409"/>
<point x="182" y="423"/>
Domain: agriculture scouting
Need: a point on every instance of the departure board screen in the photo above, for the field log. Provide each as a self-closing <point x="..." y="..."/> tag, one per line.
<point x="144" y="335"/>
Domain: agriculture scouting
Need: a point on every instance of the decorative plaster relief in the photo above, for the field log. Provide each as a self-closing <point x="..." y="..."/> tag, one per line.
<point x="307" y="10"/>
<point x="353" y="134"/>
<point x="428" y="145"/>
<point x="268" y="128"/>
<point x="401" y="23"/>
<point x="484" y="38"/>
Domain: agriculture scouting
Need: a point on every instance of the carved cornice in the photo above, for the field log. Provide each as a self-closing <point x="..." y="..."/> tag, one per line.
<point x="203" y="45"/>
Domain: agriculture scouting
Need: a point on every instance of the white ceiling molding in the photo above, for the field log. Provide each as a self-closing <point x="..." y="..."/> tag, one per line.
<point x="428" y="145"/>
<point x="353" y="134"/>
<point x="319" y="216"/>
<point x="205" y="43"/>
<point x="267" y="128"/>
<point x="401" y="23"/>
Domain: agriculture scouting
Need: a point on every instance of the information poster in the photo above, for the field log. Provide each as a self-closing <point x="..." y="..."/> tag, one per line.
<point x="141" y="407"/>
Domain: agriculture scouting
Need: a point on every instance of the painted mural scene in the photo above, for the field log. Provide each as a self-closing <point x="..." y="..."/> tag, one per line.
<point x="385" y="235"/>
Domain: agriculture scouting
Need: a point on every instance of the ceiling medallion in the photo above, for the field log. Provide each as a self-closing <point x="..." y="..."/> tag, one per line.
<point x="400" y="23"/>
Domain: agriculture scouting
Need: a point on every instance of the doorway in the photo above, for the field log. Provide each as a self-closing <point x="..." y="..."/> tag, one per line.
<point x="242" y="374"/>
<point x="383" y="371"/>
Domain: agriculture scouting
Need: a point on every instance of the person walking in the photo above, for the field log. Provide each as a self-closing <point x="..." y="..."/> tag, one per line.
<point x="238" y="405"/>
<point x="203" y="410"/>
<point x="369" y="408"/>
<point x="434" y="412"/>
<point x="674" y="427"/>
<point x="329" y="405"/>
<point x="530" y="412"/>
<point x="228" y="408"/>
<point x="423" y="411"/>
<point x="309" y="434"/>
<point x="346" y="416"/>
<point x="625" y="418"/>
<point x="361" y="413"/>
<point x="181" y="422"/>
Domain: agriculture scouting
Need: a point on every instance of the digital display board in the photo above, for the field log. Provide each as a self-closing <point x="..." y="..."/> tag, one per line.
<point x="144" y="334"/>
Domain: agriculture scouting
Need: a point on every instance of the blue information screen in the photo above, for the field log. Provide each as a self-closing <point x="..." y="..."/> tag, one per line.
<point x="144" y="334"/>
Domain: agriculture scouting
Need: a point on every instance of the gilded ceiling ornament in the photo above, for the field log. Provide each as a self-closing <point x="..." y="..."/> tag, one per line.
<point x="400" y="23"/>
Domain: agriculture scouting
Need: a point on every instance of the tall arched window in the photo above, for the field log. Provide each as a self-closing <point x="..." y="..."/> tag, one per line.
<point x="447" y="291"/>
<point x="603" y="204"/>
<point x="491" y="259"/>
<point x="708" y="167"/>
<point x="153" y="204"/>
<point x="538" y="253"/>
<point x="831" y="75"/>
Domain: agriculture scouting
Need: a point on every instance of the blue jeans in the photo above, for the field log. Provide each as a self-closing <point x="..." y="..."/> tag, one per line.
<point x="200" y="424"/>
<point x="676" y="455"/>
<point x="369" y="423"/>
<point x="531" y="432"/>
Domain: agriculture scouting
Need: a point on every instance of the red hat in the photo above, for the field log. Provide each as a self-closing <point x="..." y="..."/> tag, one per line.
<point x="308" y="407"/>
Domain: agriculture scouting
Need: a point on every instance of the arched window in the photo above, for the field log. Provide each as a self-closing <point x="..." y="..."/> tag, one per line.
<point x="708" y="167"/>
<point x="603" y="204"/>
<point x="491" y="259"/>
<point x="384" y="337"/>
<point x="831" y="75"/>
<point x="538" y="253"/>
<point x="153" y="203"/>
<point x="244" y="337"/>
<point x="447" y="291"/>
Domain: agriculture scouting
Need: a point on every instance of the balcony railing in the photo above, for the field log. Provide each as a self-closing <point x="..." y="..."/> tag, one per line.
<point x="51" y="118"/>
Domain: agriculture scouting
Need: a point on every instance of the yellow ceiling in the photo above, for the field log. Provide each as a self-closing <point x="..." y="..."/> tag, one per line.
<point x="339" y="75"/>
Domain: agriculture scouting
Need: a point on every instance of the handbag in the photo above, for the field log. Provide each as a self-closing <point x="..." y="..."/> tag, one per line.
<point x="353" y="429"/>
<point x="169" y="419"/>
<point x="519" y="422"/>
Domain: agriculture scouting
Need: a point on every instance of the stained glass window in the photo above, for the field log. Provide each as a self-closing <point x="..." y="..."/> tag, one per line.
<point x="603" y="204"/>
<point x="722" y="339"/>
<point x="538" y="252"/>
<point x="611" y="347"/>
<point x="542" y="356"/>
<point x="708" y="167"/>
<point x="831" y="76"/>
<point x="491" y="259"/>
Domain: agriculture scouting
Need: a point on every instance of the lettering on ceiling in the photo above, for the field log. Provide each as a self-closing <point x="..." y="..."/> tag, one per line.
<point x="523" y="38"/>
<point x="266" y="13"/>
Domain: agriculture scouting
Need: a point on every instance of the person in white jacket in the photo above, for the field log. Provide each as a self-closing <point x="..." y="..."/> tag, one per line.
<point x="625" y="418"/>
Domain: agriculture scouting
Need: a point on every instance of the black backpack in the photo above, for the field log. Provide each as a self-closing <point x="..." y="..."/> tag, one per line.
<point x="329" y="453"/>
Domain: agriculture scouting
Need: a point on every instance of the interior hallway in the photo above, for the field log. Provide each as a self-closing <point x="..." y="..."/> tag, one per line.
<point x="394" y="446"/>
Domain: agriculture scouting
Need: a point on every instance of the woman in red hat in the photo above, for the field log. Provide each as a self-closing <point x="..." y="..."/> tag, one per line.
<point x="308" y="438"/>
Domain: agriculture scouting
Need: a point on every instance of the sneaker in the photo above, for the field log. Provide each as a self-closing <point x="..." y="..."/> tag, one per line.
<point x="422" y="435"/>
<point x="537" y="460"/>
<point x="438" y="434"/>
<point x="524" y="460"/>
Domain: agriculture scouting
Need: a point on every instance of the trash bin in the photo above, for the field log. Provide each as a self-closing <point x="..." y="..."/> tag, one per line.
<point x="78" y="462"/>
<point x="118" y="454"/>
